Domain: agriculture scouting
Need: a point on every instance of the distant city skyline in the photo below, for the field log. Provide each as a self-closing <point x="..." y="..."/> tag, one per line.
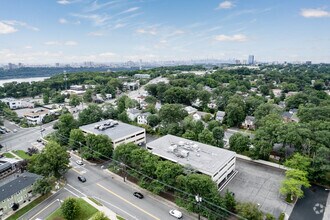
<point x="71" y="31"/>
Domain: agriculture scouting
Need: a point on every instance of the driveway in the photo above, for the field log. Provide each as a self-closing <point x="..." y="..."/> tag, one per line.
<point x="312" y="205"/>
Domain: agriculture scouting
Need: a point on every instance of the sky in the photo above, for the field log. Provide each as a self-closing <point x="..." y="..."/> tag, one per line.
<point x="66" y="31"/>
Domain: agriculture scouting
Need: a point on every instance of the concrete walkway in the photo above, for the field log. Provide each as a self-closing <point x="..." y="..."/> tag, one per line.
<point x="326" y="215"/>
<point x="110" y="214"/>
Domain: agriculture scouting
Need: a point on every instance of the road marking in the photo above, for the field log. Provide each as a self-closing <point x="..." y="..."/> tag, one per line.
<point x="75" y="170"/>
<point x="125" y="200"/>
<point x="115" y="207"/>
<point x="71" y="192"/>
<point x="77" y="190"/>
<point x="43" y="209"/>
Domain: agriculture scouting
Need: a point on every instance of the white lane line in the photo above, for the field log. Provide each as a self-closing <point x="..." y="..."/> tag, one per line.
<point x="71" y="192"/>
<point x="77" y="190"/>
<point x="43" y="209"/>
<point x="115" y="207"/>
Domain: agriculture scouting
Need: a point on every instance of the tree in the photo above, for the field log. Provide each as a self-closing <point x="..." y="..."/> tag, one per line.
<point x="45" y="98"/>
<point x="153" y="120"/>
<point x="212" y="124"/>
<point x="65" y="124"/>
<point x="70" y="208"/>
<point x="99" y="216"/>
<point x="218" y="134"/>
<point x="235" y="114"/>
<point x="93" y="113"/>
<point x="43" y="185"/>
<point x="206" y="137"/>
<point x="265" y="109"/>
<point x="124" y="117"/>
<point x="97" y="147"/>
<point x="298" y="162"/>
<point x="87" y="97"/>
<point x="291" y="185"/>
<point x="189" y="135"/>
<point x="172" y="113"/>
<point x="53" y="160"/>
<point x="77" y="139"/>
<point x="239" y="143"/>
<point x="249" y="210"/>
<point x="320" y="168"/>
<point x="74" y="100"/>
<point x="230" y="202"/>
<point x="167" y="171"/>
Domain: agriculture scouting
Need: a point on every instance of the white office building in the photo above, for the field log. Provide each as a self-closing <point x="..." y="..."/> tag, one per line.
<point x="118" y="132"/>
<point x="215" y="162"/>
<point x="12" y="103"/>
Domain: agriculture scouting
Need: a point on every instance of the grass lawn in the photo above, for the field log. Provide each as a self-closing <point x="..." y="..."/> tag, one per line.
<point x="86" y="212"/>
<point x="8" y="155"/>
<point x="27" y="208"/>
<point x="21" y="154"/>
<point x="120" y="218"/>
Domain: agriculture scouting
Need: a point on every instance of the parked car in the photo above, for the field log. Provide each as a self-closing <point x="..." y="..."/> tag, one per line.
<point x="79" y="162"/>
<point x="39" y="140"/>
<point x="1" y="146"/>
<point x="15" y="130"/>
<point x="81" y="179"/>
<point x="138" y="195"/>
<point x="176" y="213"/>
<point x="42" y="130"/>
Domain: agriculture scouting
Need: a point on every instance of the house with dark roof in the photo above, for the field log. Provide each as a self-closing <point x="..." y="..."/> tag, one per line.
<point x="16" y="190"/>
<point x="249" y="123"/>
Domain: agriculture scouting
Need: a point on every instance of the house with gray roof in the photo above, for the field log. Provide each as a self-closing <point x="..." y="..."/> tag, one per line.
<point x="16" y="190"/>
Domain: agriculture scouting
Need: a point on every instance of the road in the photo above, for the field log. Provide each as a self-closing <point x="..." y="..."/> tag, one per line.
<point x="24" y="137"/>
<point x="114" y="193"/>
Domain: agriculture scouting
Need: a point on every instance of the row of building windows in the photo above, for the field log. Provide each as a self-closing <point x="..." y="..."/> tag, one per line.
<point x="223" y="167"/>
<point x="225" y="172"/>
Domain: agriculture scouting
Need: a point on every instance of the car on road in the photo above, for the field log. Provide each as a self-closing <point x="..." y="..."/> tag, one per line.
<point x="42" y="130"/>
<point x="1" y="146"/>
<point x="138" y="195"/>
<point x="79" y="162"/>
<point x="39" y="140"/>
<point x="15" y="130"/>
<point x="176" y="213"/>
<point x="81" y="179"/>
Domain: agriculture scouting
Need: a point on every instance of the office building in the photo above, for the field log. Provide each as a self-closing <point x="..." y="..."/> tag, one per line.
<point x="251" y="60"/>
<point x="215" y="162"/>
<point x="118" y="132"/>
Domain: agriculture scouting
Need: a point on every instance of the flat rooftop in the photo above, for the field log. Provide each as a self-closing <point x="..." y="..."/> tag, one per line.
<point x="118" y="131"/>
<point x="205" y="158"/>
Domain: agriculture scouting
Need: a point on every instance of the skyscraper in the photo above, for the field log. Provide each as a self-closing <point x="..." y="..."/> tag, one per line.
<point x="251" y="59"/>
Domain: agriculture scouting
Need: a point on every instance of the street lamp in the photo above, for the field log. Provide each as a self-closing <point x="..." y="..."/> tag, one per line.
<point x="199" y="199"/>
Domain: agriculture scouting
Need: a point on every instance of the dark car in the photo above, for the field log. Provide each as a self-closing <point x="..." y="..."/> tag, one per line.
<point x="81" y="179"/>
<point x="1" y="146"/>
<point x="138" y="195"/>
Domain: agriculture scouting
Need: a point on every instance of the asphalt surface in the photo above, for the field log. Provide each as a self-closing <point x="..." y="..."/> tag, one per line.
<point x="312" y="205"/>
<point x="24" y="137"/>
<point x="115" y="194"/>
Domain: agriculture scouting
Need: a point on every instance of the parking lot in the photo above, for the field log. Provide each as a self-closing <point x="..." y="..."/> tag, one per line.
<point x="259" y="184"/>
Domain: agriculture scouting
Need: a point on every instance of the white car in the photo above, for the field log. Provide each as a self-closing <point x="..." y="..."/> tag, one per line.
<point x="79" y="162"/>
<point x="176" y="213"/>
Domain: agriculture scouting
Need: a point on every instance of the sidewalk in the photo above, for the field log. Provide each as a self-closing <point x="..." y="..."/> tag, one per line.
<point x="326" y="215"/>
<point x="110" y="214"/>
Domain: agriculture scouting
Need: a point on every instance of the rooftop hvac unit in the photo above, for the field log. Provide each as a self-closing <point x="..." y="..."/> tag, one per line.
<point x="97" y="126"/>
<point x="184" y="153"/>
<point x="181" y="143"/>
<point x="173" y="147"/>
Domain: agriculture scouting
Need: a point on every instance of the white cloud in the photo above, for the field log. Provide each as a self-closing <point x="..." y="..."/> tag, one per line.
<point x="51" y="43"/>
<point x="62" y="21"/>
<point x="28" y="47"/>
<point x="6" y="29"/>
<point x="70" y="43"/>
<point x="145" y="31"/>
<point x="97" y="19"/>
<point x="119" y="25"/>
<point x="225" y="5"/>
<point x="130" y="10"/>
<point x="234" y="38"/>
<point x="314" y="13"/>
<point x="64" y="2"/>
<point x="95" y="34"/>
<point x="107" y="54"/>
<point x="58" y="43"/>
<point x="19" y="23"/>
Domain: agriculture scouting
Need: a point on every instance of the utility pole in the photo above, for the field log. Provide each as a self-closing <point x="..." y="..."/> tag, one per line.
<point x="199" y="199"/>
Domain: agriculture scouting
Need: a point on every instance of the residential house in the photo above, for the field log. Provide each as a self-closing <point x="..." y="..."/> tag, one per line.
<point x="143" y="118"/>
<point x="132" y="113"/>
<point x="7" y="166"/>
<point x="199" y="115"/>
<point x="190" y="110"/>
<point x="142" y="76"/>
<point x="249" y="123"/>
<point x="16" y="190"/>
<point x="12" y="103"/>
<point x="131" y="85"/>
<point x="277" y="92"/>
<point x="220" y="115"/>
<point x="290" y="116"/>
<point x="158" y="106"/>
<point x="197" y="103"/>
<point x="212" y="104"/>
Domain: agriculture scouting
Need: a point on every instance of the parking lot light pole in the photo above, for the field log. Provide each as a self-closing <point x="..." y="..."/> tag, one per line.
<point x="199" y="199"/>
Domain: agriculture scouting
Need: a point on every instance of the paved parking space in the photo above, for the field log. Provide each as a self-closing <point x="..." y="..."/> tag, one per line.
<point x="259" y="184"/>
<point x="312" y="205"/>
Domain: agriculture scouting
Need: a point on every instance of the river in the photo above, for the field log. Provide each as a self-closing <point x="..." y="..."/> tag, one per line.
<point x="19" y="80"/>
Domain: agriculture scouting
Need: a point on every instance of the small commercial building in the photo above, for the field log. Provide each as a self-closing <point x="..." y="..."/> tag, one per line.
<point x="35" y="116"/>
<point x="7" y="166"/>
<point x="12" y="103"/>
<point x="118" y="132"/>
<point x="16" y="190"/>
<point x="215" y="162"/>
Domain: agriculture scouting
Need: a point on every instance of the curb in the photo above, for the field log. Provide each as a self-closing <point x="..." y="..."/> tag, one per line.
<point x="156" y="197"/>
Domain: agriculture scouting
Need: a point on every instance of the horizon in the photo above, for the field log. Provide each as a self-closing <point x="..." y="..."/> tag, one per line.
<point x="76" y="31"/>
